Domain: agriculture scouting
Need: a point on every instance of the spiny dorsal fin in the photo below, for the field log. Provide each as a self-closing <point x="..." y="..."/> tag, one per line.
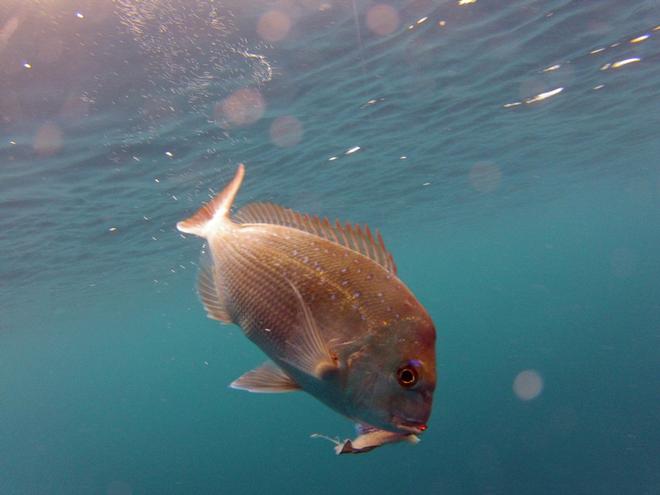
<point x="353" y="237"/>
<point x="212" y="296"/>
<point x="266" y="379"/>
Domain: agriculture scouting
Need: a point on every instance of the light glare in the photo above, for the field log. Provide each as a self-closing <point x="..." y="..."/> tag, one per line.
<point x="528" y="385"/>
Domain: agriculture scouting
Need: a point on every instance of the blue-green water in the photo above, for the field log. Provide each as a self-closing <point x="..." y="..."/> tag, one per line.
<point x="524" y="217"/>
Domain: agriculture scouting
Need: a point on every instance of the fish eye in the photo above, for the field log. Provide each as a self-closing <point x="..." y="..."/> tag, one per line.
<point x="407" y="376"/>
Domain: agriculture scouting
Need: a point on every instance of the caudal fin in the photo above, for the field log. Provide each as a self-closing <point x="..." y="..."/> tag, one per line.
<point x="209" y="217"/>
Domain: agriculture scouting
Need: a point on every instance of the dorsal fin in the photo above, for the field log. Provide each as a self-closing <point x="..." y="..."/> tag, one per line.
<point x="359" y="239"/>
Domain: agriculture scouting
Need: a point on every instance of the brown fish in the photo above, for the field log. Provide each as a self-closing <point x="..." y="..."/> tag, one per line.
<point x="324" y="303"/>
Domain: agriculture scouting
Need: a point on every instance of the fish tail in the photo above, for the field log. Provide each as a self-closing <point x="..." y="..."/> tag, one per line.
<point x="214" y="213"/>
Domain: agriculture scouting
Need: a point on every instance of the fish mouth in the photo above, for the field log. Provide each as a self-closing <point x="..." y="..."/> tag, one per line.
<point x="415" y="427"/>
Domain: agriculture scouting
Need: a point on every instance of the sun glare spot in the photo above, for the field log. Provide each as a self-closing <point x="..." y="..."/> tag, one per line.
<point x="528" y="385"/>
<point x="544" y="96"/>
<point x="639" y="39"/>
<point x="242" y="107"/>
<point x="274" y="25"/>
<point x="382" y="19"/>
<point x="48" y="139"/>
<point x="621" y="63"/>
<point x="286" y="131"/>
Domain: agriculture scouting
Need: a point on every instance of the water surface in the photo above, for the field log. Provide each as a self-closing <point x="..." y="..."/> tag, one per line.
<point x="508" y="151"/>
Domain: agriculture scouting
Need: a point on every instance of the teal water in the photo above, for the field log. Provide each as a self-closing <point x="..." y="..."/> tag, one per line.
<point x="524" y="217"/>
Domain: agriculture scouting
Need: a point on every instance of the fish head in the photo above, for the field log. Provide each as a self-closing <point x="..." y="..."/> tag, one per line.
<point x="392" y="378"/>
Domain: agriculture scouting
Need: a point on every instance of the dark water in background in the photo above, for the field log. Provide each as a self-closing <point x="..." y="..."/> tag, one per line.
<point x="528" y="225"/>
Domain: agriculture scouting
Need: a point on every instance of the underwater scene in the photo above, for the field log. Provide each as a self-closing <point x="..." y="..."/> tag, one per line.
<point x="483" y="319"/>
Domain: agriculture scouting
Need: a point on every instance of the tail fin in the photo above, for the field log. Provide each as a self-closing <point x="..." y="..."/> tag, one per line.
<point x="212" y="214"/>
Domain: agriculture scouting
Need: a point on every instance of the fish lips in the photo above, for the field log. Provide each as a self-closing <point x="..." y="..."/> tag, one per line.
<point x="409" y="426"/>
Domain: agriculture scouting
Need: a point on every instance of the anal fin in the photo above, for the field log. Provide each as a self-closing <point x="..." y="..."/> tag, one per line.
<point x="266" y="379"/>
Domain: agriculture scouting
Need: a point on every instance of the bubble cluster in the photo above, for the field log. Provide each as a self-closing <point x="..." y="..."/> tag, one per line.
<point x="192" y="51"/>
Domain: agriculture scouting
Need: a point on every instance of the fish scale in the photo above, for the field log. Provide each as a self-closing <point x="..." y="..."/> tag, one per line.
<point x="271" y="304"/>
<point x="273" y="298"/>
<point x="251" y="292"/>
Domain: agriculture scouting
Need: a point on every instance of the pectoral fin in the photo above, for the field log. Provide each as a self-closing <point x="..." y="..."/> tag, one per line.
<point x="266" y="379"/>
<point x="311" y="352"/>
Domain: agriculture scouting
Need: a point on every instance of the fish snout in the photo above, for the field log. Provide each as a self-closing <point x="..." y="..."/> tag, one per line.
<point x="413" y="418"/>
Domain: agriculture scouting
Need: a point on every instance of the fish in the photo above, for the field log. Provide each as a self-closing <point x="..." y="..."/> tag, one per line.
<point x="323" y="301"/>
